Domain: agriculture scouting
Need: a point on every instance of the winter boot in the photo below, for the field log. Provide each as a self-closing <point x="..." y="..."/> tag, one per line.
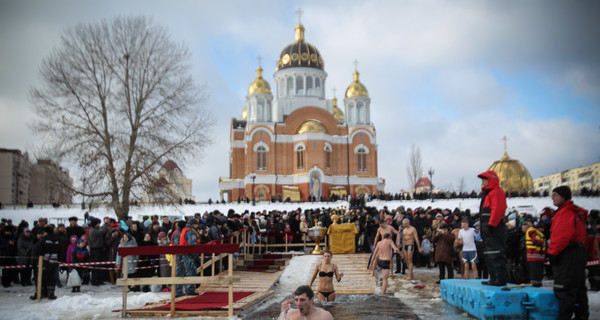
<point x="51" y="295"/>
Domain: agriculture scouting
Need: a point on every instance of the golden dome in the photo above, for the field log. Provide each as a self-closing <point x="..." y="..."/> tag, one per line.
<point x="356" y="89"/>
<point x="311" y="126"/>
<point x="514" y="177"/>
<point x="259" y="85"/>
<point x="245" y="113"/>
<point x="300" y="53"/>
<point x="337" y="113"/>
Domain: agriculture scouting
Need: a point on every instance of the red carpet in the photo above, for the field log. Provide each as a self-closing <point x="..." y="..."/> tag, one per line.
<point x="208" y="300"/>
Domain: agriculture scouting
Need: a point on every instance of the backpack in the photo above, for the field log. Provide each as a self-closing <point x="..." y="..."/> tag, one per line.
<point x="426" y="246"/>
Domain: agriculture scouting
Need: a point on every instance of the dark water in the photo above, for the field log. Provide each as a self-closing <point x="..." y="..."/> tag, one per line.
<point x="350" y="307"/>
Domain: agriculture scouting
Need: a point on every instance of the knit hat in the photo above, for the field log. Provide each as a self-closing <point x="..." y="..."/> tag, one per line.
<point x="162" y="234"/>
<point x="180" y="224"/>
<point x="73" y="218"/>
<point x="193" y="221"/>
<point x="563" y="191"/>
<point x="439" y="215"/>
<point x="27" y="230"/>
<point x="95" y="222"/>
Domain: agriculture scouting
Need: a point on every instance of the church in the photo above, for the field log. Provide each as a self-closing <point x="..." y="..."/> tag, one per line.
<point x="292" y="142"/>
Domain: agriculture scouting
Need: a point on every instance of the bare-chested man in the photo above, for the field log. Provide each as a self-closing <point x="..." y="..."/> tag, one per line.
<point x="383" y="229"/>
<point x="304" y="299"/>
<point x="383" y="256"/>
<point x="410" y="239"/>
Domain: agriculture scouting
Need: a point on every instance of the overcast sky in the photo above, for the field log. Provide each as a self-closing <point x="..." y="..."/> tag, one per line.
<point x="451" y="77"/>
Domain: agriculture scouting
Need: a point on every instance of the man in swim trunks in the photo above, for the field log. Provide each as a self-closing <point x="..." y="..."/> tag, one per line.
<point x="304" y="299"/>
<point x="383" y="256"/>
<point x="410" y="239"/>
<point x="384" y="228"/>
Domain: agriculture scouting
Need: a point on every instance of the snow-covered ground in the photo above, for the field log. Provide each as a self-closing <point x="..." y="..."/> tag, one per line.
<point x="99" y="302"/>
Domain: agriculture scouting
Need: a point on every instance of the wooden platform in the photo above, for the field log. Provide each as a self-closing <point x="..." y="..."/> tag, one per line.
<point x="357" y="279"/>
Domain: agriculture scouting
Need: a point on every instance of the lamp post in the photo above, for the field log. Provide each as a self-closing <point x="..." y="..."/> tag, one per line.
<point x="431" y="172"/>
<point x="253" y="176"/>
<point x="83" y="196"/>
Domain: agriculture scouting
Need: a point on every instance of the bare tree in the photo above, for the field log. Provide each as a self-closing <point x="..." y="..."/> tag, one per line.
<point x="118" y="99"/>
<point x="415" y="166"/>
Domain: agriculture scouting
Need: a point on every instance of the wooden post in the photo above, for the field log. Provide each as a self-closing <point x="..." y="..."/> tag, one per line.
<point x="173" y="275"/>
<point x="286" y="241"/>
<point x="125" y="271"/>
<point x="230" y="274"/>
<point x="202" y="264"/>
<point x="212" y="266"/>
<point x="39" y="277"/>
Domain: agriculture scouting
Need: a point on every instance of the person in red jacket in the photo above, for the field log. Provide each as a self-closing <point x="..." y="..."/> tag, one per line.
<point x="493" y="228"/>
<point x="567" y="255"/>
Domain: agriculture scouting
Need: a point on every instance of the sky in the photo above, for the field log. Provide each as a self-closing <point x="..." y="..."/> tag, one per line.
<point x="450" y="77"/>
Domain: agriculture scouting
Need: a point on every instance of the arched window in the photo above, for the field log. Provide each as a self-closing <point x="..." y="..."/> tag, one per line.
<point x="299" y="85"/>
<point x="327" y="150"/>
<point x="362" y="159"/>
<point x="309" y="86"/>
<point x="351" y="112"/>
<point x="281" y="88"/>
<point x="360" y="112"/>
<point x="260" y="116"/>
<point x="261" y="158"/>
<point x="318" y="87"/>
<point x="300" y="156"/>
<point x="289" y="86"/>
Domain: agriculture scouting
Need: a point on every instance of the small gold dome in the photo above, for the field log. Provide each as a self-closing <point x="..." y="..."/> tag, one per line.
<point x="337" y="113"/>
<point x="245" y="113"/>
<point x="356" y="89"/>
<point x="311" y="126"/>
<point x="513" y="175"/>
<point x="259" y="85"/>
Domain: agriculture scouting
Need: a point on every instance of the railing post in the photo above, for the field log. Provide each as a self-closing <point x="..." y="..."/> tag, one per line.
<point x="39" y="277"/>
<point x="286" y="241"/>
<point x="212" y="266"/>
<point x="230" y="274"/>
<point x="173" y="275"/>
<point x="125" y="271"/>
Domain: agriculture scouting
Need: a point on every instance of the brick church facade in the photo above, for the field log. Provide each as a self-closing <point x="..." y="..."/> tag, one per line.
<point x="294" y="143"/>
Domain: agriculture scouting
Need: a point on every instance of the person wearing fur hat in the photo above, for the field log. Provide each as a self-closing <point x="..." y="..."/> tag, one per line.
<point x="566" y="253"/>
<point x="97" y="248"/>
<point x="493" y="228"/>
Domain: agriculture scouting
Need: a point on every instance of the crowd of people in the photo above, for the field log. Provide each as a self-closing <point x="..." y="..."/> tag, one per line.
<point x="486" y="245"/>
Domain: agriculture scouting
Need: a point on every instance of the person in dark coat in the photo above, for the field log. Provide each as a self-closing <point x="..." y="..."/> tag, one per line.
<point x="444" y="246"/>
<point x="97" y="248"/>
<point x="8" y="255"/>
<point x="48" y="248"/>
<point x="112" y="244"/>
<point x="24" y="248"/>
<point x="74" y="228"/>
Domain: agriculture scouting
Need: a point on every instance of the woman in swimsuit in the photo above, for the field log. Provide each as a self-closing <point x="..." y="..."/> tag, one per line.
<point x="326" y="270"/>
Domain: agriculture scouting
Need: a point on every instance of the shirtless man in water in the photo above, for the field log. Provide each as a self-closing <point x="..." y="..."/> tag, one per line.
<point x="410" y="239"/>
<point x="383" y="256"/>
<point x="304" y="299"/>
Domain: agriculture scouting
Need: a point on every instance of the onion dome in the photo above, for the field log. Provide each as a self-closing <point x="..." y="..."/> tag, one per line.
<point x="311" y="126"/>
<point x="337" y="113"/>
<point x="300" y="53"/>
<point x="356" y="89"/>
<point x="513" y="175"/>
<point x="259" y="85"/>
<point x="245" y="113"/>
<point x="170" y="165"/>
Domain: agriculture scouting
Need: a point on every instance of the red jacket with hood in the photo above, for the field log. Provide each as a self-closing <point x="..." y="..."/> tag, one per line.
<point x="495" y="199"/>
<point x="568" y="225"/>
